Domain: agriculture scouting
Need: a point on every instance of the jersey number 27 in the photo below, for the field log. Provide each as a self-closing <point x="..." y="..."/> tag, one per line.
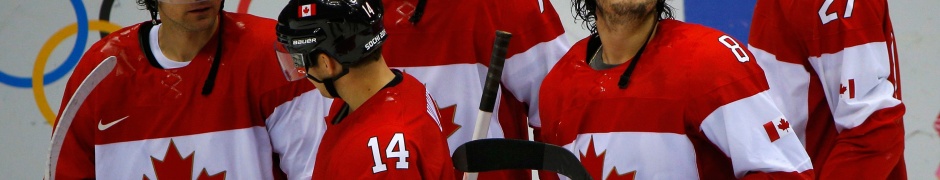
<point x="397" y="141"/>
<point x="826" y="18"/>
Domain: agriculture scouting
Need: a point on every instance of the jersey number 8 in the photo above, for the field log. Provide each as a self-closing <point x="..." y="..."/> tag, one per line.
<point x="397" y="141"/>
<point x="735" y="48"/>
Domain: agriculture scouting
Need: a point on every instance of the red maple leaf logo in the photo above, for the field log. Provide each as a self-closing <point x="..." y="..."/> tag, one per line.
<point x="306" y="9"/>
<point x="174" y="166"/>
<point x="594" y="164"/>
<point x="784" y="125"/>
<point x="842" y="89"/>
<point x="448" y="126"/>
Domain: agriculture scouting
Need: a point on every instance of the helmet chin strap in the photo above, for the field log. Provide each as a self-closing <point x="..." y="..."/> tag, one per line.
<point x="329" y="83"/>
<point x="153" y="13"/>
<point x="153" y="17"/>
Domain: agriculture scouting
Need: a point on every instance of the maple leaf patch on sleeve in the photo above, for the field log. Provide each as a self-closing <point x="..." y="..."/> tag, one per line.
<point x="777" y="129"/>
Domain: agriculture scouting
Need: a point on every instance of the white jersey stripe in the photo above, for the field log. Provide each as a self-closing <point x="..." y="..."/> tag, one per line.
<point x="199" y="147"/>
<point x="895" y="69"/>
<point x="790" y="81"/>
<point x="738" y="130"/>
<point x="855" y="81"/>
<point x="523" y="72"/>
<point x="639" y="152"/>
<point x="432" y="110"/>
<point x="298" y="136"/>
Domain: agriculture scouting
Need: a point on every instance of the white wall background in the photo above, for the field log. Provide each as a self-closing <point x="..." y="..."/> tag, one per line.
<point x="25" y="25"/>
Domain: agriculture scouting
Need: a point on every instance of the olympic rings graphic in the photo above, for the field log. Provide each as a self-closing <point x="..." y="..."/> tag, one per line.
<point x="39" y="67"/>
<point x="69" y="63"/>
<point x="105" y="13"/>
<point x="39" y="80"/>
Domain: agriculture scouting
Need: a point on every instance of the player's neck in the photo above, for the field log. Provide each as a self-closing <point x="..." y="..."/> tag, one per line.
<point x="622" y="41"/>
<point x="181" y="44"/>
<point x="363" y="82"/>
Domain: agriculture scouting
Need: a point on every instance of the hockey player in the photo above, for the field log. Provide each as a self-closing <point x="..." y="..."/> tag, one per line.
<point x="446" y="45"/>
<point x="832" y="69"/>
<point x="649" y="97"/>
<point x="177" y="104"/>
<point x="383" y="123"/>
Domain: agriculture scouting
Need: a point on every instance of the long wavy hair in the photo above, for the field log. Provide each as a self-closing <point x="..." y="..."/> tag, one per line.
<point x="585" y="10"/>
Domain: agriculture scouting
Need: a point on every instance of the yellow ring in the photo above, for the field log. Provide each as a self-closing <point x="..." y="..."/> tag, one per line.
<point x="40" y="67"/>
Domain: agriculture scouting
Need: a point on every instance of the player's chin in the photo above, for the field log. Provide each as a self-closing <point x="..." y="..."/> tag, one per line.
<point x="201" y="23"/>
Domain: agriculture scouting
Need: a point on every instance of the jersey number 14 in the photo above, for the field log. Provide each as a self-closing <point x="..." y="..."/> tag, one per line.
<point x="397" y="141"/>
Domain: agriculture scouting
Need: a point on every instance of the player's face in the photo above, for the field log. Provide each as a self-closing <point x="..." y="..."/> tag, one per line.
<point x="194" y="16"/>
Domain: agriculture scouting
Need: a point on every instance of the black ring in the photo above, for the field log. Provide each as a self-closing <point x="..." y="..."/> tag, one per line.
<point x="105" y="14"/>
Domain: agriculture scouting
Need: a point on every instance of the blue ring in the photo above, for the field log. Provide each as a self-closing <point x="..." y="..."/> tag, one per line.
<point x="70" y="62"/>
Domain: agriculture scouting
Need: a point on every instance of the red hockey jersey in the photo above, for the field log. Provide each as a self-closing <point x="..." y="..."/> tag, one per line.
<point x="452" y="44"/>
<point x="832" y="69"/>
<point x="696" y="108"/>
<point x="153" y="123"/>
<point x="395" y="134"/>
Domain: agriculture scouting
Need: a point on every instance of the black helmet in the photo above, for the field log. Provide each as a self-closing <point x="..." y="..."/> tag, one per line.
<point x="346" y="30"/>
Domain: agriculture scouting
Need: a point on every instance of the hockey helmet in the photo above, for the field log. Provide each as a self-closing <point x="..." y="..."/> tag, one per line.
<point x="346" y="30"/>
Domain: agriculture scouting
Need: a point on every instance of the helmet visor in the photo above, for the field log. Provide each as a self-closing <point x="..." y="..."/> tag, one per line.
<point x="181" y="1"/>
<point x="292" y="64"/>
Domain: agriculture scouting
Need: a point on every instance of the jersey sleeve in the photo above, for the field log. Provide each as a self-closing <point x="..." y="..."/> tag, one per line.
<point x="264" y="72"/>
<point x="264" y="75"/>
<point x="739" y="117"/>
<point x="538" y="42"/>
<point x="857" y="67"/>
<point x="294" y="119"/>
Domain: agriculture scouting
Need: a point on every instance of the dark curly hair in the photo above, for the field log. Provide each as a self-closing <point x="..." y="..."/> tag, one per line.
<point x="585" y="10"/>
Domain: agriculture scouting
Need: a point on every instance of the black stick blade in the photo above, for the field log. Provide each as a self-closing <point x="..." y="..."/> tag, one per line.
<point x="503" y="154"/>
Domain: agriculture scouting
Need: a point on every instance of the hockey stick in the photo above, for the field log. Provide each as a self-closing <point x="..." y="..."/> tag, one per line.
<point x="490" y="89"/>
<point x="68" y="114"/>
<point x="501" y="154"/>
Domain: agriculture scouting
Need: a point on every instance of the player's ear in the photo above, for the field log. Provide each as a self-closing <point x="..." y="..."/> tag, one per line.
<point x="329" y="64"/>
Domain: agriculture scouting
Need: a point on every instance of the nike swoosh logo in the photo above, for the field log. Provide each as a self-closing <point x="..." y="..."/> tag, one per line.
<point x="102" y="127"/>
